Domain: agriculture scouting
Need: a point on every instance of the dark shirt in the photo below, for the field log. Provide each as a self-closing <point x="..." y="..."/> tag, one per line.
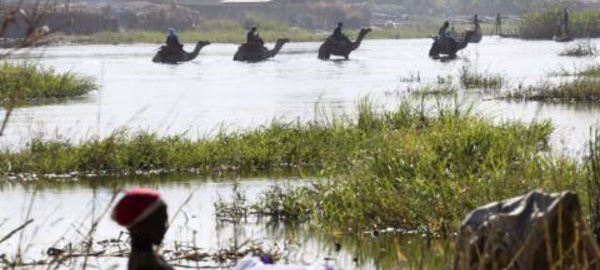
<point x="146" y="260"/>
<point x="252" y="37"/>
<point x="337" y="32"/>
<point x="173" y="41"/>
<point x="443" y="33"/>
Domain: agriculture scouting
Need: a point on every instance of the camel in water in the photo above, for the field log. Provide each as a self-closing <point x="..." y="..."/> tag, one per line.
<point x="341" y="47"/>
<point x="254" y="52"/>
<point x="162" y="56"/>
<point x="449" y="47"/>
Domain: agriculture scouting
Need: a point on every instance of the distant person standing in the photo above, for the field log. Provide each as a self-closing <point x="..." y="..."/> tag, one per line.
<point x="476" y="23"/>
<point x="565" y="22"/>
<point x="498" y="24"/>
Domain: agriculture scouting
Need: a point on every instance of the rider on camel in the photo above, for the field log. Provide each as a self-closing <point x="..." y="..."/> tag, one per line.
<point x="444" y="36"/>
<point x="337" y="33"/>
<point x="173" y="46"/>
<point x="252" y="37"/>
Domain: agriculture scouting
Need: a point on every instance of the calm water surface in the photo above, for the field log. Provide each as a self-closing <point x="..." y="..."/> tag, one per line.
<point x="213" y="92"/>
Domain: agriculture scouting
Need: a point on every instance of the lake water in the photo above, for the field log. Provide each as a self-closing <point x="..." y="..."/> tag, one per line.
<point x="215" y="92"/>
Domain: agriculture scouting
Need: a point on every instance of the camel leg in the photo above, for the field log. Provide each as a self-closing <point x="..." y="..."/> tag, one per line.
<point x="324" y="56"/>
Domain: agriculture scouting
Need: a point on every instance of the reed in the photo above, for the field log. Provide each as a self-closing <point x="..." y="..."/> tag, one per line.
<point x="581" y="89"/>
<point x="583" y="48"/>
<point x="24" y="82"/>
<point x="470" y="78"/>
<point x="542" y="23"/>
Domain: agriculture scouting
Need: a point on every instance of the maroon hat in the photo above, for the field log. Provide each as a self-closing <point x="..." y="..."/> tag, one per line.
<point x="135" y="206"/>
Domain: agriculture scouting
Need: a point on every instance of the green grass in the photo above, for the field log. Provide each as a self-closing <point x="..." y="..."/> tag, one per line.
<point x="435" y="90"/>
<point x="584" y="87"/>
<point x="578" y="90"/>
<point x="23" y="82"/>
<point x="230" y="31"/>
<point x="591" y="71"/>
<point x="237" y="35"/>
<point x="424" y="170"/>
<point x="542" y="23"/>
<point x="470" y="78"/>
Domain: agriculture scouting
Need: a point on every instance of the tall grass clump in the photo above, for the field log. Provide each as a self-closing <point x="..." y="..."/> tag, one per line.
<point x="24" y="81"/>
<point x="582" y="48"/>
<point x="470" y="79"/>
<point x="579" y="90"/>
<point x="424" y="170"/>
<point x="591" y="71"/>
<point x="542" y="23"/>
<point x="435" y="90"/>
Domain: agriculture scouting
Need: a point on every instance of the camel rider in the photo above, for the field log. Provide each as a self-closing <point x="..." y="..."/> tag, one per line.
<point x="252" y="37"/>
<point x="337" y="33"/>
<point x="444" y="34"/>
<point x="173" y="45"/>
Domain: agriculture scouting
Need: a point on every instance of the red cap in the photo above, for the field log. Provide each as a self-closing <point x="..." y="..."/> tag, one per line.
<point x="135" y="206"/>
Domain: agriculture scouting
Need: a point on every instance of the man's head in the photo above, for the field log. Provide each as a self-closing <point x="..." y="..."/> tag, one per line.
<point x="253" y="28"/>
<point x="171" y="31"/>
<point x="446" y="24"/>
<point x="340" y="24"/>
<point x="144" y="214"/>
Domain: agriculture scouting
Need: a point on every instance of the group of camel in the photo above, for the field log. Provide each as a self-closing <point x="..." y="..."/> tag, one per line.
<point x="329" y="47"/>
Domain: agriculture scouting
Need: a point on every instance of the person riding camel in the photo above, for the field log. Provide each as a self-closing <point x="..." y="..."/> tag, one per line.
<point x="173" y="46"/>
<point x="444" y="36"/>
<point x="144" y="214"/>
<point x="253" y="38"/>
<point x="337" y="33"/>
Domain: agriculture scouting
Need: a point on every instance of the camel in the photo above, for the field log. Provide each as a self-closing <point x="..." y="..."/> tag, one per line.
<point x="162" y="57"/>
<point x="451" y="46"/>
<point x="255" y="53"/>
<point x="341" y="47"/>
<point x="477" y="36"/>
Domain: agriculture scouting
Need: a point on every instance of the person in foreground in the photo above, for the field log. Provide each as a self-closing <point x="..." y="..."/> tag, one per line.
<point x="144" y="214"/>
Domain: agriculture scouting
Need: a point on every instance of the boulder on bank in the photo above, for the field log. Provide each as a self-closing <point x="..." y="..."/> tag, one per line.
<point x="534" y="231"/>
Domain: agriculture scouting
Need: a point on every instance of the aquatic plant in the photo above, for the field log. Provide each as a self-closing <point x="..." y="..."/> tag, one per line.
<point x="582" y="48"/>
<point x="435" y="90"/>
<point x="591" y="71"/>
<point x="470" y="78"/>
<point x="579" y="90"/>
<point x="25" y="81"/>
<point x="542" y="23"/>
<point x="423" y="170"/>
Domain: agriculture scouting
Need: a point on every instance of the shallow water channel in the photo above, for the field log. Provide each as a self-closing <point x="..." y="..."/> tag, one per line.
<point x="215" y="92"/>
